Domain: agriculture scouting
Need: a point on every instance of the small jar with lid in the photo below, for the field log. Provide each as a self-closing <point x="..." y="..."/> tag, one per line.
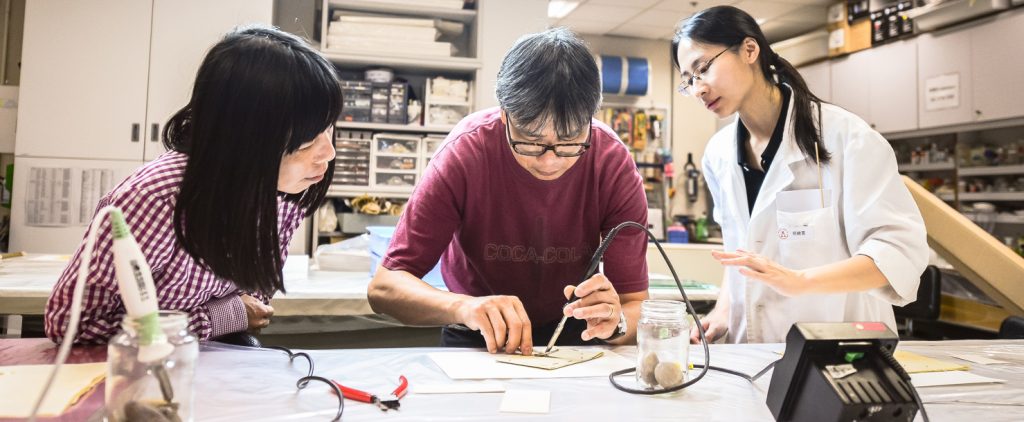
<point x="150" y="370"/>
<point x="663" y="344"/>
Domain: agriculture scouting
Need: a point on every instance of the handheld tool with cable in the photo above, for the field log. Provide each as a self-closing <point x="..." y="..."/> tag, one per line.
<point x="135" y="285"/>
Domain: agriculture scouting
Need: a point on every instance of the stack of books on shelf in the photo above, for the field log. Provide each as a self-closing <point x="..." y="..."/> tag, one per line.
<point x="369" y="34"/>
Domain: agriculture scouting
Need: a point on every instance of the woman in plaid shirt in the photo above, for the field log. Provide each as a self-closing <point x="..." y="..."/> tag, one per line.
<point x="248" y="158"/>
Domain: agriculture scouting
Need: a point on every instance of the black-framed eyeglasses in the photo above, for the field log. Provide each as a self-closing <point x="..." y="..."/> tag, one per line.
<point x="698" y="74"/>
<point x="533" y="149"/>
<point x="304" y="381"/>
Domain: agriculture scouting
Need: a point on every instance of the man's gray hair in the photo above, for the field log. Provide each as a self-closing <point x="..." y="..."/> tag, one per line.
<point x="550" y="78"/>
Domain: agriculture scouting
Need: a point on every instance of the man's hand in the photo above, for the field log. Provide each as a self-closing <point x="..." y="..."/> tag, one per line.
<point x="598" y="304"/>
<point x="501" y="320"/>
<point x="257" y="312"/>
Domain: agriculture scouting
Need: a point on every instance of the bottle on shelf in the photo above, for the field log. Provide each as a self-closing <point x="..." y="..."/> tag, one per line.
<point x="701" y="232"/>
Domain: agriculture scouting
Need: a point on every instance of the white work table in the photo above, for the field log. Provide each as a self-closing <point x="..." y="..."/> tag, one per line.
<point x="26" y="283"/>
<point x="234" y="383"/>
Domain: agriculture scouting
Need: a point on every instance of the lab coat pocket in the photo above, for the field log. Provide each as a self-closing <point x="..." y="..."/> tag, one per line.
<point x="807" y="238"/>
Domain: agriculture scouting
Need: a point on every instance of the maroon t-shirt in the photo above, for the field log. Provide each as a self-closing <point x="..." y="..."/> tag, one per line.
<point x="501" y="231"/>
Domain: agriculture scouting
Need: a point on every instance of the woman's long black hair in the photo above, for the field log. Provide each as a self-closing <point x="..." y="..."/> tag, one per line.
<point x="259" y="94"/>
<point x="729" y="26"/>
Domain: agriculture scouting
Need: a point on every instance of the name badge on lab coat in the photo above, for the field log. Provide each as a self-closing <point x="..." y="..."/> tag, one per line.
<point x="796" y="233"/>
<point x="796" y="216"/>
<point x="807" y="231"/>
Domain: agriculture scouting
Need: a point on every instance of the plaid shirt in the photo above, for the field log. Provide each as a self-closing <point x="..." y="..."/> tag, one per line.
<point x="147" y="200"/>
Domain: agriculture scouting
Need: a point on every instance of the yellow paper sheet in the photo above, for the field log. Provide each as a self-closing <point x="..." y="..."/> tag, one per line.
<point x="21" y="385"/>
<point x="558" y="358"/>
<point x="914" y="363"/>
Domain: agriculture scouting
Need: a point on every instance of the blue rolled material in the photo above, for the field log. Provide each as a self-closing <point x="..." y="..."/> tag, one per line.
<point x="611" y="74"/>
<point x="624" y="75"/>
<point x="639" y="73"/>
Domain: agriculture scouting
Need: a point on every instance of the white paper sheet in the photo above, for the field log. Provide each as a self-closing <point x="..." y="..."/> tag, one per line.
<point x="935" y="379"/>
<point x="526" y="401"/>
<point x="459" y="388"/>
<point x="482" y="365"/>
<point x="979" y="359"/>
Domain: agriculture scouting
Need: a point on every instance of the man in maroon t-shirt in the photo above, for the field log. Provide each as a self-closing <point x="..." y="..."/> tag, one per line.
<point x="515" y="202"/>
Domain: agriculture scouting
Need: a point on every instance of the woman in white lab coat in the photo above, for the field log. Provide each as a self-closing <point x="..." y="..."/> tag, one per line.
<point x="817" y="223"/>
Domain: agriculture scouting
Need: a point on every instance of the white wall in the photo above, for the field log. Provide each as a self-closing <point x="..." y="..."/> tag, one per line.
<point x="693" y="126"/>
<point x="690" y="125"/>
<point x="500" y="24"/>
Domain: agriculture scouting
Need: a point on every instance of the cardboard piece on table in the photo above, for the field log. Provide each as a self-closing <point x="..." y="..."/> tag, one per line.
<point x="979" y="359"/>
<point x="914" y="363"/>
<point x="558" y="358"/>
<point x="21" y="385"/>
<point x="475" y="365"/>
<point x="459" y="388"/>
<point x="526" y="401"/>
<point x="935" y="379"/>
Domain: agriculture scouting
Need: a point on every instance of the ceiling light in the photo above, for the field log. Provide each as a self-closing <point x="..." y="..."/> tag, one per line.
<point x="558" y="9"/>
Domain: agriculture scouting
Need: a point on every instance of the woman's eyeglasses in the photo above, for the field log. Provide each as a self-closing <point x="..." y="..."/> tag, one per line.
<point x="698" y="74"/>
<point x="533" y="149"/>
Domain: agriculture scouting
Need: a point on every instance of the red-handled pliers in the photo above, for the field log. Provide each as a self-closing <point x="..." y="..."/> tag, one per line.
<point x="391" y="402"/>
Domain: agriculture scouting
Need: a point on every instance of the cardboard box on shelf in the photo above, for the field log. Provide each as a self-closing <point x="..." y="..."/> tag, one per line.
<point x="844" y="38"/>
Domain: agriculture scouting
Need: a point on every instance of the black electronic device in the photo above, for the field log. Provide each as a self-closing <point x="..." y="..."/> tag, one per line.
<point x="841" y="371"/>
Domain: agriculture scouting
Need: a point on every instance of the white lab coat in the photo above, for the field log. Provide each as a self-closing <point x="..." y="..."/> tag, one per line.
<point x="868" y="211"/>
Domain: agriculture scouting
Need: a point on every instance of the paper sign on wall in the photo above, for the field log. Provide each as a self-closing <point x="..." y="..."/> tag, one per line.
<point x="942" y="92"/>
<point x="64" y="196"/>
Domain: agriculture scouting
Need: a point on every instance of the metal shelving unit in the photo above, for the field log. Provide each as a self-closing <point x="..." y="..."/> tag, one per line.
<point x="927" y="167"/>
<point x="992" y="196"/>
<point x="455" y="65"/>
<point x="991" y="170"/>
<point x="405" y="9"/>
<point x="388" y="127"/>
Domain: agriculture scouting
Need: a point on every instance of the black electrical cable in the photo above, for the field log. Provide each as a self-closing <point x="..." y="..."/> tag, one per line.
<point x="700" y="327"/>
<point x="905" y="377"/>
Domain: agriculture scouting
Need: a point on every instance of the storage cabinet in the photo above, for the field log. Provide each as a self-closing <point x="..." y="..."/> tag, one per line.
<point x="892" y="87"/>
<point x="850" y="88"/>
<point x="819" y="79"/>
<point x="84" y="79"/>
<point x="957" y="76"/>
<point x="879" y="85"/>
<point x="101" y="78"/>
<point x="944" y="70"/>
<point x="183" y="31"/>
<point x="997" y="60"/>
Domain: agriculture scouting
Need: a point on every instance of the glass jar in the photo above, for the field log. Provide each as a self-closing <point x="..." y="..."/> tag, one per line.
<point x="158" y="390"/>
<point x="663" y="344"/>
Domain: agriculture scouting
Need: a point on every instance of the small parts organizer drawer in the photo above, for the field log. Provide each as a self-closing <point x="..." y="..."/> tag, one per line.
<point x="386" y="179"/>
<point x="385" y="163"/>
<point x="352" y="163"/>
<point x="396" y="160"/>
<point x="389" y="144"/>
